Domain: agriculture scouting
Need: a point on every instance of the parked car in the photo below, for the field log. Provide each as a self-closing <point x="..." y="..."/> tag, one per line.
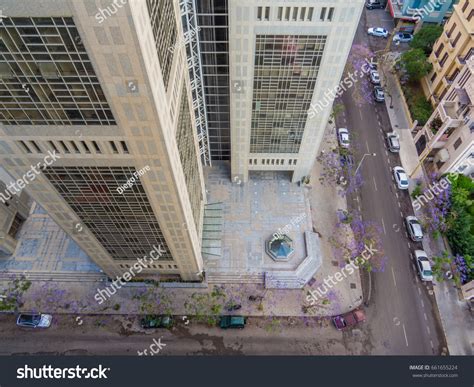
<point x="347" y="161"/>
<point x="373" y="63"/>
<point x="156" y="321"/>
<point x="423" y="266"/>
<point x="378" y="31"/>
<point x="232" y="322"/>
<point x="34" y="320"/>
<point x="403" y="37"/>
<point x="374" y="77"/>
<point x="343" y="137"/>
<point x="379" y="94"/>
<point x="401" y="177"/>
<point x="373" y="4"/>
<point x="414" y="228"/>
<point x="393" y="142"/>
<point x="348" y="320"/>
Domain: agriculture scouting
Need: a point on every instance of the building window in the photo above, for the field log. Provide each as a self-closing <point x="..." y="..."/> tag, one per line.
<point x="433" y="77"/>
<point x="331" y="13"/>
<point x="74" y="146"/>
<point x="280" y="13"/>
<point x="471" y="14"/>
<point x="86" y="148"/>
<point x="323" y="13"/>
<point x="295" y="13"/>
<point x="438" y="51"/>
<point x="96" y="147"/>
<point x="53" y="145"/>
<point x="64" y="147"/>
<point x="35" y="145"/>
<point x="124" y="147"/>
<point x="457" y="143"/>
<point x="51" y="80"/>
<point x="464" y="7"/>
<point x="267" y="13"/>
<point x="451" y="30"/>
<point x="310" y="14"/>
<point x="443" y="61"/>
<point x="456" y="39"/>
<point x="114" y="147"/>
<point x="259" y="13"/>
<point x="302" y="13"/>
<point x="287" y="13"/>
<point x="16" y="225"/>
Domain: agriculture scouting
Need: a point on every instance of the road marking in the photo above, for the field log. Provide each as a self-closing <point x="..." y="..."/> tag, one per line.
<point x="383" y="225"/>
<point x="396" y="194"/>
<point x="406" y="234"/>
<point x="367" y="145"/>
<point x="424" y="315"/>
<point x="408" y="243"/>
<point x="386" y="152"/>
<point x="360" y="114"/>
<point x="401" y="213"/>
<point x="431" y="343"/>
<point x="422" y="304"/>
<point x="419" y="292"/>
<point x="394" y="280"/>
<point x="428" y="329"/>
<point x="359" y="208"/>
<point x="375" y="184"/>
<point x="405" y="333"/>
<point x="399" y="205"/>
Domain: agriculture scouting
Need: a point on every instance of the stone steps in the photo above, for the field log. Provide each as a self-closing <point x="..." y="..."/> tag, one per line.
<point x="234" y="278"/>
<point x="53" y="276"/>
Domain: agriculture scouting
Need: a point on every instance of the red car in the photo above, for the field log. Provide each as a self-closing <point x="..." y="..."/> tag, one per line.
<point x="348" y="320"/>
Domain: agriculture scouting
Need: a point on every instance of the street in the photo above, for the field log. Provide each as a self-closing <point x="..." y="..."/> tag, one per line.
<point x="403" y="317"/>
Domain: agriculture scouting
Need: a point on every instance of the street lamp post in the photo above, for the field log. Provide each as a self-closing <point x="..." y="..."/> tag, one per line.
<point x="363" y="157"/>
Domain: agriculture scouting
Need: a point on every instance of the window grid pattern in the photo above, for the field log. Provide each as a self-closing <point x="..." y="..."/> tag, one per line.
<point x="286" y="68"/>
<point x="189" y="158"/>
<point x="46" y="76"/>
<point x="163" y="24"/>
<point x="214" y="47"/>
<point x="124" y="223"/>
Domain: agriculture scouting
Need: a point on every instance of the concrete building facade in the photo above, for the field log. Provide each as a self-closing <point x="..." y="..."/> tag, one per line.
<point x="284" y="55"/>
<point x="447" y="139"/>
<point x="105" y="86"/>
<point x="451" y="51"/>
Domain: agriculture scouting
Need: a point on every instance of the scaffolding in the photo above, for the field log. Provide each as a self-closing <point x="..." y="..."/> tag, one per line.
<point x="193" y="54"/>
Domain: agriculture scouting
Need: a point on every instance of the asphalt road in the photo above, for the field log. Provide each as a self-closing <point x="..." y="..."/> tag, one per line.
<point x="402" y="315"/>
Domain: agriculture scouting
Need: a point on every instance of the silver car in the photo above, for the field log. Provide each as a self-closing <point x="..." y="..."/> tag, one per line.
<point x="34" y="320"/>
<point x="393" y="142"/>
<point x="423" y="266"/>
<point x="414" y="228"/>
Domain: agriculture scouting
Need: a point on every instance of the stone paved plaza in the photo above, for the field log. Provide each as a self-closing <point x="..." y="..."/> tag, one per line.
<point x="252" y="212"/>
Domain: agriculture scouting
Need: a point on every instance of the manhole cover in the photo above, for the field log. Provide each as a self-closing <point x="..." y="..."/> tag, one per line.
<point x="353" y="285"/>
<point x="335" y="263"/>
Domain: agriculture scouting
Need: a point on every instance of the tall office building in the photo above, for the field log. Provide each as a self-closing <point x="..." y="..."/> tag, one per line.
<point x="284" y="57"/>
<point x="106" y="86"/>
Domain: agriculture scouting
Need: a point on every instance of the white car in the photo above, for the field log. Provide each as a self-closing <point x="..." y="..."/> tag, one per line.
<point x="401" y="177"/>
<point x="343" y="137"/>
<point x="423" y="266"/>
<point x="374" y="77"/>
<point x="414" y="228"/>
<point x="378" y="31"/>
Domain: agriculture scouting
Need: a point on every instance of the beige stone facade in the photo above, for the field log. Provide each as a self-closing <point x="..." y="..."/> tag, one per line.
<point x="142" y="122"/>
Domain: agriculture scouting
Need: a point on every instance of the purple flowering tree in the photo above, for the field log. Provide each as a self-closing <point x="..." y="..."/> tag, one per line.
<point x="357" y="67"/>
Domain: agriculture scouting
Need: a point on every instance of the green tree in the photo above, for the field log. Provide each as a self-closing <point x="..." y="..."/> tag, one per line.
<point x="426" y="37"/>
<point x="415" y="63"/>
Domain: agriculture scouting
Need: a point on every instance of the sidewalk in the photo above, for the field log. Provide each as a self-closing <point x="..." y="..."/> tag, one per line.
<point x="456" y="319"/>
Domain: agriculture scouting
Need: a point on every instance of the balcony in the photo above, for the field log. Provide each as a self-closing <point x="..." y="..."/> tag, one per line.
<point x="446" y="81"/>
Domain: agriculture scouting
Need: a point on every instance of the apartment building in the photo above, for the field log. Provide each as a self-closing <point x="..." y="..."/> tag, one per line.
<point x="106" y="86"/>
<point x="451" y="51"/>
<point x="446" y="142"/>
<point x="283" y="57"/>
